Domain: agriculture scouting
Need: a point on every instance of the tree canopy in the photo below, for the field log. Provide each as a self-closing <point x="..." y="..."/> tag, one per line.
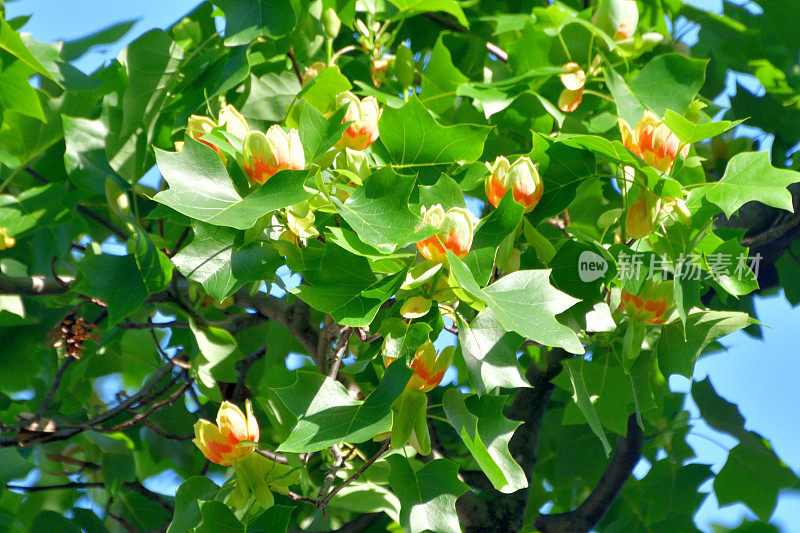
<point x="369" y="265"/>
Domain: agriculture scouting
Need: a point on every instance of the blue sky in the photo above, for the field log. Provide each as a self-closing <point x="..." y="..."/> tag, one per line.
<point x="758" y="375"/>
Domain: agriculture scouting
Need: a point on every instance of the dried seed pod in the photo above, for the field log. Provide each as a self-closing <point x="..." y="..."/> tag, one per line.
<point x="71" y="333"/>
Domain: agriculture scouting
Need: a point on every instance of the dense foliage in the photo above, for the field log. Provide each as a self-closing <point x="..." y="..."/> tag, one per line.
<point x="248" y="256"/>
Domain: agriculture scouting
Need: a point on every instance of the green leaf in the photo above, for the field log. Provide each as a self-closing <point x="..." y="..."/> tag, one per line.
<point x="440" y="79"/>
<point x="427" y="495"/>
<point x="318" y="133"/>
<point x="669" y="81"/>
<point x="11" y="42"/>
<point x="751" y="177"/>
<point x="328" y="415"/>
<point x="524" y="302"/>
<point x="490" y="233"/>
<point x="716" y="411"/>
<point x="689" y="132"/>
<point x="218" y="517"/>
<point x="415" y="7"/>
<point x="85" y="155"/>
<point x="413" y="137"/>
<point x="629" y="108"/>
<point x="247" y="21"/>
<point x="53" y="521"/>
<point x="490" y="353"/>
<point x="74" y="49"/>
<point x="754" y="475"/>
<point x="378" y="211"/>
<point x="343" y="285"/>
<point x="322" y="90"/>
<point x="218" y="355"/>
<point x="152" y="63"/>
<point x="445" y="192"/>
<point x="200" y="188"/>
<point x="563" y="169"/>
<point x="486" y="433"/>
<point x="115" y="280"/>
<point x="187" y="498"/>
<point x="580" y="395"/>
<point x="217" y="259"/>
<point x="16" y="93"/>
<point x="154" y="267"/>
<point x="13" y="465"/>
<point x="677" y="354"/>
<point x="401" y="340"/>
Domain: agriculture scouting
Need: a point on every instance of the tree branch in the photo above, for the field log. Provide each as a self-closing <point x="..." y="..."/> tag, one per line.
<point x="65" y="433"/>
<point x="33" y="285"/>
<point x="588" y="514"/>
<point x="294" y="317"/>
<point x="505" y="512"/>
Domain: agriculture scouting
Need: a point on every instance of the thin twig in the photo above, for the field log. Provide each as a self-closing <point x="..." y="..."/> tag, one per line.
<point x="242" y="367"/>
<point x="177" y="247"/>
<point x="357" y="474"/>
<point x="340" y="352"/>
<point x="51" y="393"/>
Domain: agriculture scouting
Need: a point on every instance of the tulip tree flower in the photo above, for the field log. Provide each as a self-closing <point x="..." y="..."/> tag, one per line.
<point x="652" y="303"/>
<point x="409" y="421"/>
<point x="653" y="141"/>
<point x="641" y="217"/>
<point x="574" y="80"/>
<point x="456" y="228"/>
<point x="521" y="177"/>
<point x="231" y="438"/>
<point x="235" y="124"/>
<point x="617" y="18"/>
<point x="231" y="441"/>
<point x="364" y="115"/>
<point x="263" y="156"/>
<point x="428" y="366"/>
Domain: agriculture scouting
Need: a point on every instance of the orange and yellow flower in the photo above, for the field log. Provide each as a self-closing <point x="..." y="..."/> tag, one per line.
<point x="364" y="115"/>
<point x="198" y="125"/>
<point x="264" y="155"/>
<point x="456" y="228"/>
<point x="574" y="80"/>
<point x="652" y="303"/>
<point x="428" y="366"/>
<point x="231" y="437"/>
<point x="653" y="141"/>
<point x="617" y="18"/>
<point x="521" y="177"/>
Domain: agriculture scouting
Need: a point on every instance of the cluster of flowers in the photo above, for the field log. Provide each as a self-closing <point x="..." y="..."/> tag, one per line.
<point x="266" y="154"/>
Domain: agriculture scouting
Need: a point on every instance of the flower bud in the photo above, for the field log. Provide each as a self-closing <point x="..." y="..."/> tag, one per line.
<point x="311" y="72"/>
<point x="521" y="177"/>
<point x="330" y="23"/>
<point x="234" y="122"/>
<point x="378" y="69"/>
<point x="617" y="18"/>
<point x="197" y="126"/>
<point x="364" y="115"/>
<point x="641" y="218"/>
<point x="353" y="161"/>
<point x="265" y="155"/>
<point x="456" y="229"/>
<point x="653" y="141"/>
<point x="428" y="366"/>
<point x="6" y="240"/>
<point x="300" y="221"/>
<point x="573" y="79"/>
<point x="415" y="307"/>
<point x="222" y="443"/>
<point x="652" y="303"/>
